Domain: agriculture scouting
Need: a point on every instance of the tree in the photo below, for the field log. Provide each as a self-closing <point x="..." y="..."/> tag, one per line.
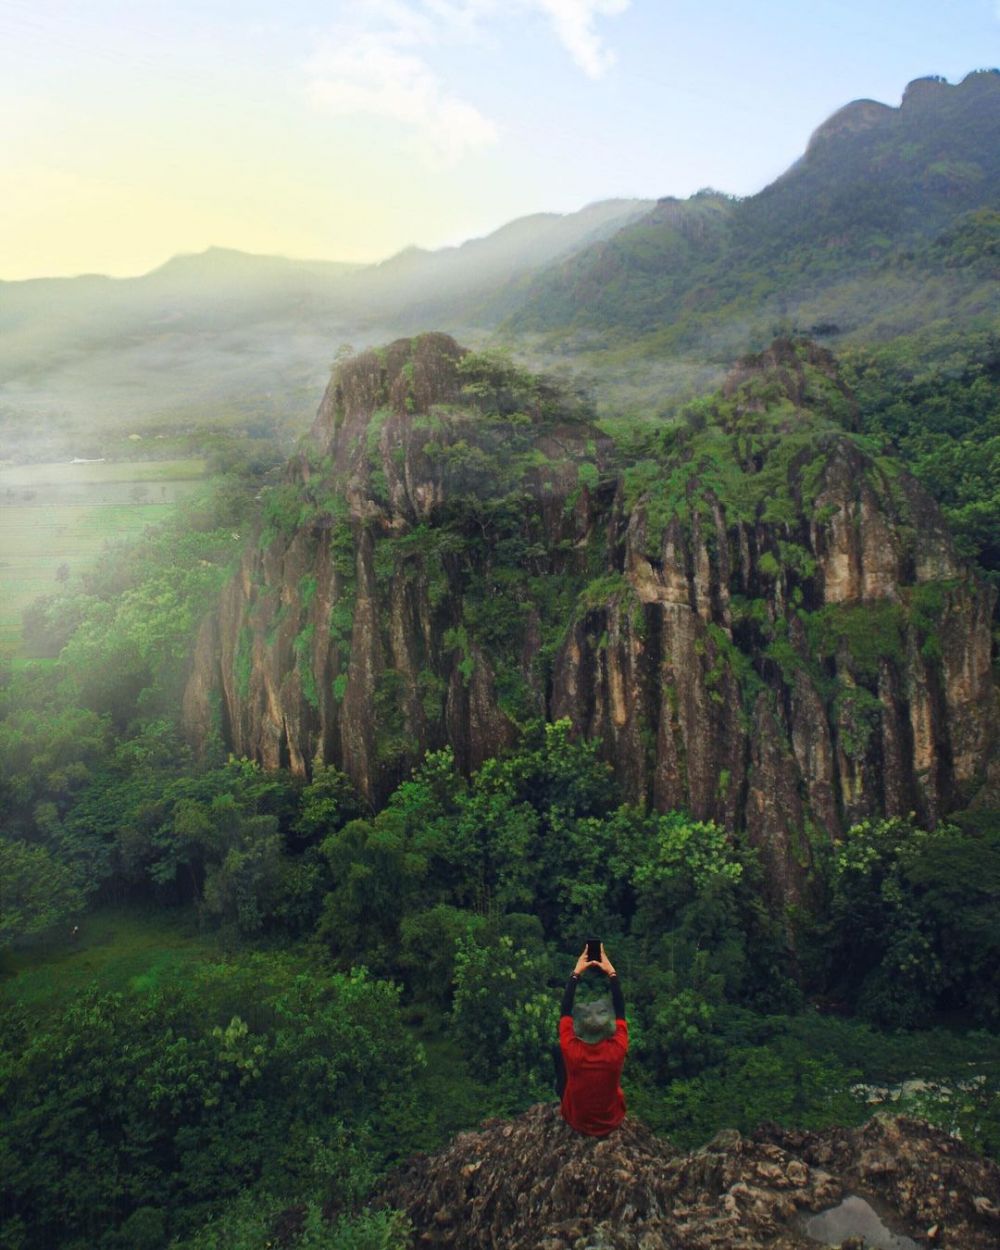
<point x="259" y="1071"/>
<point x="37" y="892"/>
<point x="503" y="1013"/>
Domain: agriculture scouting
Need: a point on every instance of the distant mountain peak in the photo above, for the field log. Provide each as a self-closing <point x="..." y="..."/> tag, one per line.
<point x="851" y="119"/>
<point x="866" y="114"/>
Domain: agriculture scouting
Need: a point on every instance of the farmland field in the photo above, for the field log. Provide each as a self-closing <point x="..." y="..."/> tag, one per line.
<point x="55" y="518"/>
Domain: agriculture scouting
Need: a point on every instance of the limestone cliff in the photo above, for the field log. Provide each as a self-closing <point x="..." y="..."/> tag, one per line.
<point x="760" y="618"/>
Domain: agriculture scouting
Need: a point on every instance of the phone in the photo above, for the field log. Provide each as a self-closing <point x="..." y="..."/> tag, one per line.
<point x="594" y="949"/>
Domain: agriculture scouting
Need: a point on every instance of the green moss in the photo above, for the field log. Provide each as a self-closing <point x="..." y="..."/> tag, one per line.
<point x="798" y="559"/>
<point x="276" y="623"/>
<point x="243" y="661"/>
<point x="927" y="604"/>
<point x="343" y="552"/>
<point x="726" y="657"/>
<point x="307" y="591"/>
<point x="868" y="633"/>
<point x="751" y="610"/>
<point x="342" y="618"/>
<point x="391" y="738"/>
<point x="601" y="591"/>
<point x="858" y="714"/>
<point x="303" y="663"/>
<point x="378" y="484"/>
<point x="824" y="515"/>
<point x="384" y="561"/>
<point x="286" y="509"/>
<point x="457" y="639"/>
<point x="431" y="690"/>
<point x="781" y="651"/>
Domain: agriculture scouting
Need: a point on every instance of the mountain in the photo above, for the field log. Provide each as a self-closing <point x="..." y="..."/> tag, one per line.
<point x="212" y="340"/>
<point x="887" y="226"/>
<point x="761" y="619"/>
<point x="857" y="241"/>
<point x="224" y="337"/>
<point x="457" y="285"/>
<point x="531" y="1182"/>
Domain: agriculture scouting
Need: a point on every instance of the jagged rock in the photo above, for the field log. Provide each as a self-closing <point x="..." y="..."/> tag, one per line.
<point x="691" y="652"/>
<point x="533" y="1182"/>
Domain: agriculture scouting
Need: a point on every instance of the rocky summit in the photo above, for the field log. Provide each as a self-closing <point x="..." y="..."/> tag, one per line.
<point x="760" y="617"/>
<point x="532" y="1183"/>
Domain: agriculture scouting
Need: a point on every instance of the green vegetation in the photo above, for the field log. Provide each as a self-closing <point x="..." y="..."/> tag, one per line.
<point x="934" y="398"/>
<point x="303" y="664"/>
<point x="262" y="1074"/>
<point x="95" y="473"/>
<point x="118" y="949"/>
<point x="55" y="520"/>
<point x="868" y="633"/>
<point x="296" y="990"/>
<point x="265" y="1075"/>
<point x="38" y="891"/>
<point x="869" y="237"/>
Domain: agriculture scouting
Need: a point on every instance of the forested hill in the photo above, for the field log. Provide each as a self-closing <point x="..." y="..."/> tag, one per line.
<point x="759" y="617"/>
<point x="888" y="221"/>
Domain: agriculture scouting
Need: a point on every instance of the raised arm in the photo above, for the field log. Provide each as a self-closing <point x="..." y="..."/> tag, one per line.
<point x="617" y="998"/>
<point x="570" y="991"/>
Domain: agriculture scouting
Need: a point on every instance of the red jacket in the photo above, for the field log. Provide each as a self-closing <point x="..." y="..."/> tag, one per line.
<point x="593" y="1102"/>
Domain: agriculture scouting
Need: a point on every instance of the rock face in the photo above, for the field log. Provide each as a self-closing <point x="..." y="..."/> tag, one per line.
<point x="760" y="619"/>
<point x="534" y="1183"/>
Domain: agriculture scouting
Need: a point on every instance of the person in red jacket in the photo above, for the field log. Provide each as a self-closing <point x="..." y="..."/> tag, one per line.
<point x="593" y="1043"/>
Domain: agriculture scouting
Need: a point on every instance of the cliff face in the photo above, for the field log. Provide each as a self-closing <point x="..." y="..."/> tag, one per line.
<point x="762" y="620"/>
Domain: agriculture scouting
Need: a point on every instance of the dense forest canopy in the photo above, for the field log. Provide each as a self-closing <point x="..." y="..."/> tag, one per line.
<point x="461" y="896"/>
<point x="234" y="995"/>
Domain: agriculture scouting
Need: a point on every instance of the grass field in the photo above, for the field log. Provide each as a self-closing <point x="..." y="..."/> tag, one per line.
<point x="96" y="472"/>
<point x="118" y="948"/>
<point x="55" y="515"/>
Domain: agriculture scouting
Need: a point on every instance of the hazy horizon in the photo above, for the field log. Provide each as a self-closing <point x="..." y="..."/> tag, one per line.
<point x="349" y="132"/>
<point x="325" y="260"/>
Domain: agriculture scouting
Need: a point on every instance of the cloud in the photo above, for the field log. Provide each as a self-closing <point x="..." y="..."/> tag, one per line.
<point x="376" y="70"/>
<point x="574" y="24"/>
<point x="375" y="63"/>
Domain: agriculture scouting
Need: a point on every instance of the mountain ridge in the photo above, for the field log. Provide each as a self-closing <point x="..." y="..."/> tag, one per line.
<point x="873" y="181"/>
<point x="852" y="243"/>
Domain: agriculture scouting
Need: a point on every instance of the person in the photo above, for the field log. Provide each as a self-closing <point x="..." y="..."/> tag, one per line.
<point x="593" y="1043"/>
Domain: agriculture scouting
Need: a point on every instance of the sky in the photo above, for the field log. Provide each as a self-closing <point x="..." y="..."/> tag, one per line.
<point x="134" y="130"/>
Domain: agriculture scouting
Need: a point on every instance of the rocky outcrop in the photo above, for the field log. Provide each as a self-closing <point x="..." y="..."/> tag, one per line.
<point x="760" y="620"/>
<point x="532" y="1182"/>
